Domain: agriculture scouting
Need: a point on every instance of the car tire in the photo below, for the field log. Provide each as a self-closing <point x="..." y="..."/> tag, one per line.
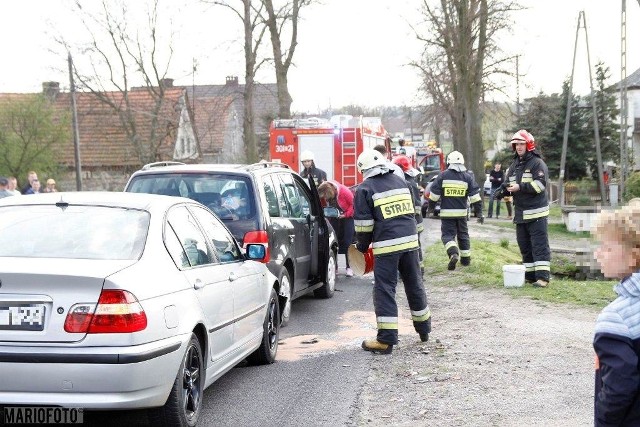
<point x="185" y="399"/>
<point x="266" y="353"/>
<point x="285" y="295"/>
<point x="327" y="290"/>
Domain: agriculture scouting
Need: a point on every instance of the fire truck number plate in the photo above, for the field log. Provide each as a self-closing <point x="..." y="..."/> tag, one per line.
<point x="284" y="148"/>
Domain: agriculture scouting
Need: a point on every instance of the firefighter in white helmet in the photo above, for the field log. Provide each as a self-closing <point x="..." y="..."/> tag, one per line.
<point x="455" y="188"/>
<point x="310" y="170"/>
<point x="526" y="180"/>
<point x="384" y="219"/>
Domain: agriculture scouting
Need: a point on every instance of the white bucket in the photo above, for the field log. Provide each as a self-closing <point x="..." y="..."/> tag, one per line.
<point x="513" y="276"/>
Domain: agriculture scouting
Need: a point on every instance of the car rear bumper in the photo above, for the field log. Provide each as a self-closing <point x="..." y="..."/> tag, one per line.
<point x="91" y="378"/>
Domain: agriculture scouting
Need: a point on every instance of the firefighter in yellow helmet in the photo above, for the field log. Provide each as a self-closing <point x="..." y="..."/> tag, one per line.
<point x="455" y="188"/>
<point x="384" y="218"/>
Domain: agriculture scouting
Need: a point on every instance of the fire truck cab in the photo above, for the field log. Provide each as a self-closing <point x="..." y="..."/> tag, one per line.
<point x="335" y="143"/>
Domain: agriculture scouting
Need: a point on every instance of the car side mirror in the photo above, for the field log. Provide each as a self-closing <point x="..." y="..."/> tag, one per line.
<point x="331" y="212"/>
<point x="256" y="251"/>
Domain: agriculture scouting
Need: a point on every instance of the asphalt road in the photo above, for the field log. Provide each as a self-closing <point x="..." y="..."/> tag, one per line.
<point x="318" y="374"/>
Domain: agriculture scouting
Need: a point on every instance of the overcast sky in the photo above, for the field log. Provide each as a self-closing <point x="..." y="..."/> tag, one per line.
<point x="349" y="52"/>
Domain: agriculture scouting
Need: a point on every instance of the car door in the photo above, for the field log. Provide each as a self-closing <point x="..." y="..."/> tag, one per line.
<point x="212" y="284"/>
<point x="245" y="277"/>
<point x="319" y="227"/>
<point x="298" y="205"/>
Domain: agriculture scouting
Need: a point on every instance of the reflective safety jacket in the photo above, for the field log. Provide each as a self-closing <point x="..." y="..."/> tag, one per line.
<point x="531" y="174"/>
<point x="384" y="214"/>
<point x="455" y="189"/>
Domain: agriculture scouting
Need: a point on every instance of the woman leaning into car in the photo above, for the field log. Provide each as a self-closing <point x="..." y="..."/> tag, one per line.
<point x="334" y="194"/>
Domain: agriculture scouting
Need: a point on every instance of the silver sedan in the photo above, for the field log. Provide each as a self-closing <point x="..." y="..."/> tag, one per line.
<point x="118" y="300"/>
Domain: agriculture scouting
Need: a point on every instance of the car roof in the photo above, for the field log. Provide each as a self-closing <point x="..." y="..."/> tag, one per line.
<point x="141" y="201"/>
<point x="211" y="167"/>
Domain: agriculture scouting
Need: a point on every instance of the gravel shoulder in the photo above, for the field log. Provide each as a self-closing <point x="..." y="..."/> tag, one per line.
<point x="492" y="360"/>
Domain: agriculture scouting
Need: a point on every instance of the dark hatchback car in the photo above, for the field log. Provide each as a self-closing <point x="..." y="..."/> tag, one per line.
<point x="260" y="203"/>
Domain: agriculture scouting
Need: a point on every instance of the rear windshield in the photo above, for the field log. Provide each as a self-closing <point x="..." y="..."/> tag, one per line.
<point x="84" y="232"/>
<point x="229" y="196"/>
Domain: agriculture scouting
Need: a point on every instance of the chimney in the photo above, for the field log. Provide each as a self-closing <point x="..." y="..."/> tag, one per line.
<point x="50" y="90"/>
<point x="166" y="83"/>
<point x="232" y="81"/>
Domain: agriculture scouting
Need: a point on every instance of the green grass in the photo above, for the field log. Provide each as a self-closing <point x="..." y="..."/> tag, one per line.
<point x="555" y="230"/>
<point x="485" y="272"/>
<point x="555" y="212"/>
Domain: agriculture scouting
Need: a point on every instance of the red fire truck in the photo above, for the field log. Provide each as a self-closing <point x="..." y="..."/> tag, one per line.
<point x="335" y="143"/>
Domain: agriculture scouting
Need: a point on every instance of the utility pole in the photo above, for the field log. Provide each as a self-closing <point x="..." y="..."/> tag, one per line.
<point x="622" y="169"/>
<point x="565" y="137"/>
<point x="518" y="85"/>
<point x="76" y="133"/>
<point x="596" y="129"/>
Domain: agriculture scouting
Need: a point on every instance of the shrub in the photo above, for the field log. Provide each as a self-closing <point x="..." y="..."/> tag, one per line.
<point x="632" y="187"/>
<point x="504" y="243"/>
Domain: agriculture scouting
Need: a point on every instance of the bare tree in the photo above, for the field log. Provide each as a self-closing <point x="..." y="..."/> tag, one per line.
<point x="117" y="55"/>
<point x="458" y="60"/>
<point x="287" y="16"/>
<point x="254" y="29"/>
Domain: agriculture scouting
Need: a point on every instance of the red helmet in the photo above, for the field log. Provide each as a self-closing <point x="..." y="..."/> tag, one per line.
<point x="404" y="162"/>
<point x="523" y="135"/>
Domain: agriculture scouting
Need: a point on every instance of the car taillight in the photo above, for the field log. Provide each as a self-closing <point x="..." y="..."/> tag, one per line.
<point x="117" y="311"/>
<point x="260" y="237"/>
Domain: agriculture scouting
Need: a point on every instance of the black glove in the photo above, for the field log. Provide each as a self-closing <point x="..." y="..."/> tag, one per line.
<point x="501" y="192"/>
<point x="362" y="248"/>
<point x="432" y="206"/>
<point x="481" y="219"/>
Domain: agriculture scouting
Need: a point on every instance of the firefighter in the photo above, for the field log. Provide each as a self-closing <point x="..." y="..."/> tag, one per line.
<point x="526" y="180"/>
<point x="384" y="219"/>
<point x="310" y="170"/>
<point x="410" y="173"/>
<point x="455" y="188"/>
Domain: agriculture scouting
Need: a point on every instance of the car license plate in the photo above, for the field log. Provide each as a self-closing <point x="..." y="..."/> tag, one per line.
<point x="22" y="317"/>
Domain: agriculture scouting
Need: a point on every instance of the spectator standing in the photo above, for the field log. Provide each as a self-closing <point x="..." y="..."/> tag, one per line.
<point x="309" y="168"/>
<point x="35" y="187"/>
<point x="617" y="331"/>
<point x="13" y="186"/>
<point x="527" y="179"/>
<point x="51" y="186"/>
<point x="4" y="182"/>
<point x="340" y="196"/>
<point x="455" y="188"/>
<point x="496" y="177"/>
<point x="384" y="219"/>
<point x="30" y="177"/>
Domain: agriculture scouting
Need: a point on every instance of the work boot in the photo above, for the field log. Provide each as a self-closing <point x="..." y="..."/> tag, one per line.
<point x="453" y="260"/>
<point x="540" y="283"/>
<point x="465" y="260"/>
<point x="377" y="347"/>
<point x="424" y="337"/>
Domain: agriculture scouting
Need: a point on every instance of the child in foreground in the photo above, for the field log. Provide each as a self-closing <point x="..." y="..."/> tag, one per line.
<point x="617" y="331"/>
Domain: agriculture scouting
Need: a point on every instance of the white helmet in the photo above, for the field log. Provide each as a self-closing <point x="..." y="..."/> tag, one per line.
<point x="370" y="158"/>
<point x="455" y="157"/>
<point x="306" y="155"/>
